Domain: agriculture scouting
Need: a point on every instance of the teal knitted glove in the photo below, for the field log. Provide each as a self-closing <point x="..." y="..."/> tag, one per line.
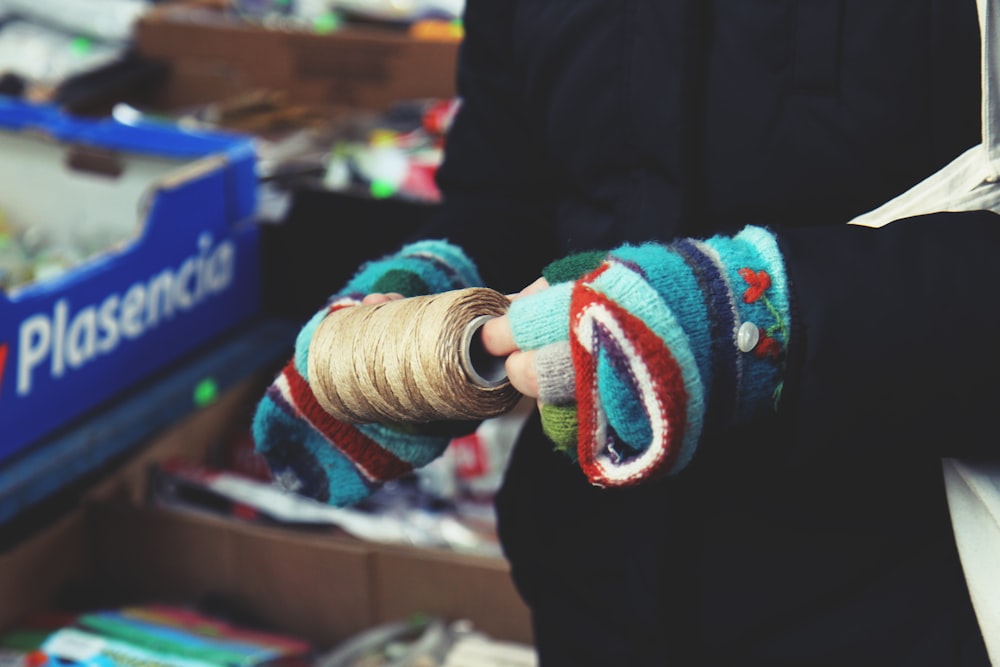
<point x="311" y="453"/>
<point x="634" y="356"/>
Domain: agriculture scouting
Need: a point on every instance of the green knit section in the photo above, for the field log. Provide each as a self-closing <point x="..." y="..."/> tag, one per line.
<point x="560" y="425"/>
<point x="573" y="267"/>
<point x="406" y="283"/>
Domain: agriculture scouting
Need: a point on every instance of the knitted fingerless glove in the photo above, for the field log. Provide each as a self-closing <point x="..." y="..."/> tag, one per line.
<point x="311" y="453"/>
<point x="637" y="348"/>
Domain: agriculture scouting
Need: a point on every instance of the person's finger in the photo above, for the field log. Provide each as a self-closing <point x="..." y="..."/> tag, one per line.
<point x="497" y="337"/>
<point x="534" y="287"/>
<point x="379" y="297"/>
<point x="522" y="372"/>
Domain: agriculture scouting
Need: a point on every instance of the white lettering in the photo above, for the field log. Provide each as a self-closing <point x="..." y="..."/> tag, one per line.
<point x="204" y="246"/>
<point x="60" y="316"/>
<point x="158" y="298"/>
<point x="133" y="303"/>
<point x="33" y="344"/>
<point x="81" y="339"/>
<point x="221" y="267"/>
<point x="108" y="324"/>
<point x="73" y="339"/>
<point x="182" y="296"/>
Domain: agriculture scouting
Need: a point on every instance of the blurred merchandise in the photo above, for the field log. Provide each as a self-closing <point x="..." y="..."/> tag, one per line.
<point x="397" y="515"/>
<point x="105" y="20"/>
<point x="309" y="15"/>
<point x="393" y="154"/>
<point x="239" y="456"/>
<point x="477" y="650"/>
<point x="153" y="635"/>
<point x="20" y="644"/>
<point x="446" y="505"/>
<point x="417" y="642"/>
<point x="160" y="635"/>
<point x="305" y="13"/>
<point x="406" y="11"/>
<point x="268" y="115"/>
<point x="14" y="658"/>
<point x="469" y="473"/>
<point x="46" y="56"/>
<point x="427" y="642"/>
<point x="263" y="8"/>
<point x="31" y="253"/>
<point x="437" y="29"/>
<point x="85" y="45"/>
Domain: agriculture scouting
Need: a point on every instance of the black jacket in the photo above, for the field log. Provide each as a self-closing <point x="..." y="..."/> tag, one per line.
<point x="820" y="536"/>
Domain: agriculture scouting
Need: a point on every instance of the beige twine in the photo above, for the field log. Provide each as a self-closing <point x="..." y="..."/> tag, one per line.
<point x="412" y="360"/>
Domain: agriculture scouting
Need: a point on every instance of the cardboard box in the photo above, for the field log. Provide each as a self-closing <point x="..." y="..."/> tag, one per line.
<point x="214" y="56"/>
<point x="319" y="586"/>
<point x="186" y="268"/>
<point x="408" y="581"/>
<point x="313" y="586"/>
<point x="35" y="572"/>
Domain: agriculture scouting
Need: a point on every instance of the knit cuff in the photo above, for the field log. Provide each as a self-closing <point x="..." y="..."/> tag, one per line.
<point x="717" y="289"/>
<point x="752" y="267"/>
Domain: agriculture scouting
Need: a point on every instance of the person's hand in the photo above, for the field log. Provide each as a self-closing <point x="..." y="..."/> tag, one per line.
<point x="498" y="340"/>
<point x="630" y="353"/>
<point x="314" y="454"/>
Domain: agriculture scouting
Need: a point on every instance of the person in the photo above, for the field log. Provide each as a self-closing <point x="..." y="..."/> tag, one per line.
<point x="743" y="401"/>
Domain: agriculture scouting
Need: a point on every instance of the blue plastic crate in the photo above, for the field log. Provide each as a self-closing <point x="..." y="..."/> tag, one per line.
<point x="188" y="274"/>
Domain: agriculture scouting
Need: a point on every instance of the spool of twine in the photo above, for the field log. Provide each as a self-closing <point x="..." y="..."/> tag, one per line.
<point x="413" y="360"/>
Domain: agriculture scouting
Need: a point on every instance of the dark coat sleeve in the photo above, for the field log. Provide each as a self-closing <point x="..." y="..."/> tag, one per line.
<point x="895" y="350"/>
<point x="894" y="346"/>
<point x="494" y="182"/>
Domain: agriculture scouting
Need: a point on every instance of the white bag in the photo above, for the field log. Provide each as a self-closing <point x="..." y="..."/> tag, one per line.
<point x="969" y="183"/>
